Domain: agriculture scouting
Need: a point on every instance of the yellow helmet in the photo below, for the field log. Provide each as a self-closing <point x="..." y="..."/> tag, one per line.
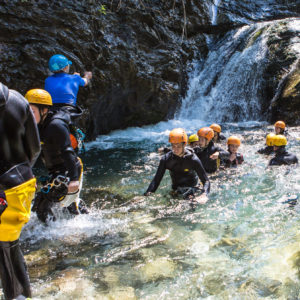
<point x="269" y="139"/>
<point x="193" y="138"/>
<point x="279" y="140"/>
<point x="178" y="135"/>
<point x="39" y="96"/>
<point x="233" y="140"/>
<point x="280" y="124"/>
<point x="215" y="127"/>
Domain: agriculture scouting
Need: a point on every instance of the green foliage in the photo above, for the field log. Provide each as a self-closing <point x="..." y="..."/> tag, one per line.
<point x="102" y="10"/>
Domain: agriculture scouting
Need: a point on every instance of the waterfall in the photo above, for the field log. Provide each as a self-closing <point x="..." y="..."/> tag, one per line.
<point x="228" y="85"/>
<point x="214" y="11"/>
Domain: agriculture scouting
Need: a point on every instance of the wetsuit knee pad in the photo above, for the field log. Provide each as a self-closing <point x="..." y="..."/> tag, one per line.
<point x="18" y="210"/>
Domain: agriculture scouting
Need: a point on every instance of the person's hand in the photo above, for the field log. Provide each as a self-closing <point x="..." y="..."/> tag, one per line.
<point x="73" y="187"/>
<point x="76" y="73"/>
<point x="214" y="156"/>
<point x="88" y="75"/>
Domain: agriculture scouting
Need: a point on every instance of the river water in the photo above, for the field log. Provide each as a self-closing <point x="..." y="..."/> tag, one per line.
<point x="242" y="244"/>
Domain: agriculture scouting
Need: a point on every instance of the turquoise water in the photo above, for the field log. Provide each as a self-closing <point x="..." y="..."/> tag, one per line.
<point x="242" y="244"/>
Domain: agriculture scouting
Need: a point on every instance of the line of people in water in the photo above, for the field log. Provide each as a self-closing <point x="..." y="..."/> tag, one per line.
<point x="188" y="163"/>
<point x="44" y="121"/>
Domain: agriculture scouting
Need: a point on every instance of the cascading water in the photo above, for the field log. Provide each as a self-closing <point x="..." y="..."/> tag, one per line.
<point x="229" y="84"/>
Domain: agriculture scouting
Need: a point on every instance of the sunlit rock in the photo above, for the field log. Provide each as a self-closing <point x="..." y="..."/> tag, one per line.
<point x="158" y="268"/>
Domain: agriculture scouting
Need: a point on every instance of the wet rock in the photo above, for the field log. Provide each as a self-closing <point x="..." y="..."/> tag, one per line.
<point x="158" y="268"/>
<point x="122" y="293"/>
<point x="40" y="263"/>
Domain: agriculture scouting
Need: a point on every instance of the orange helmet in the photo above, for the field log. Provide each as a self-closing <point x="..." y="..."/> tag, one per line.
<point x="215" y="127"/>
<point x="178" y="135"/>
<point x="280" y="124"/>
<point x="206" y="132"/>
<point x="233" y="140"/>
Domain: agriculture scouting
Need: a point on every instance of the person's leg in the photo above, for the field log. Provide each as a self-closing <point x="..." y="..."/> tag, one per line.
<point x="13" y="271"/>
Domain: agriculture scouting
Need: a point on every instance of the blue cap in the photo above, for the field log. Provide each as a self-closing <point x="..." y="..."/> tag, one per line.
<point x="58" y="62"/>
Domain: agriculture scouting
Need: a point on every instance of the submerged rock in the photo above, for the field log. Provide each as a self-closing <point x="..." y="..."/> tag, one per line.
<point x="158" y="268"/>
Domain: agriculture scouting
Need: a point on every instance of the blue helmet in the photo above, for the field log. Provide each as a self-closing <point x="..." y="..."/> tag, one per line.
<point x="58" y="62"/>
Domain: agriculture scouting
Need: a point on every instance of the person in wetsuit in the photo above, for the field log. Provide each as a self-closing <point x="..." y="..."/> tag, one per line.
<point x="282" y="157"/>
<point x="269" y="148"/>
<point x="193" y="140"/>
<point x="233" y="158"/>
<point x="184" y="166"/>
<point x="63" y="165"/>
<point x="218" y="136"/>
<point x="207" y="152"/>
<point x="19" y="149"/>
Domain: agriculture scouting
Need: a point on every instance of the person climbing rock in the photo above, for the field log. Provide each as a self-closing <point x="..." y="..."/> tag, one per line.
<point x="234" y="158"/>
<point x="207" y="152"/>
<point x="269" y="142"/>
<point x="62" y="86"/>
<point x="63" y="165"/>
<point x="218" y="136"/>
<point x="185" y="168"/>
<point x="19" y="149"/>
<point x="282" y="157"/>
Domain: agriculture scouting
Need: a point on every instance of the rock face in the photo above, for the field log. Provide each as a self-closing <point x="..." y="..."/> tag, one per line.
<point x="139" y="51"/>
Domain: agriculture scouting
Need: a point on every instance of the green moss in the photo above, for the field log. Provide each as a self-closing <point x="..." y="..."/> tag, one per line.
<point x="254" y="37"/>
<point x="292" y="88"/>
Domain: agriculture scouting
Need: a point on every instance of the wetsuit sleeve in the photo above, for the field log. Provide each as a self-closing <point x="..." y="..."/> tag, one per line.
<point x="31" y="139"/>
<point x="60" y="135"/>
<point x="202" y="175"/>
<point x="222" y="153"/>
<point x="158" y="176"/>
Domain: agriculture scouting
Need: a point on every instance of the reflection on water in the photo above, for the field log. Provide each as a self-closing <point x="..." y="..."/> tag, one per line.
<point x="242" y="244"/>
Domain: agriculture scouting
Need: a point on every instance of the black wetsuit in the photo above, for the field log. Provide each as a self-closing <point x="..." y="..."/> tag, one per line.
<point x="210" y="165"/>
<point x="57" y="153"/>
<point x="59" y="158"/>
<point x="184" y="171"/>
<point x="228" y="163"/>
<point x="19" y="149"/>
<point x="266" y="150"/>
<point x="20" y="144"/>
<point x="221" y="137"/>
<point x="282" y="157"/>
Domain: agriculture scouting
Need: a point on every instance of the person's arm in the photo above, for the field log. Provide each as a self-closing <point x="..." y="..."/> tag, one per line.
<point x="31" y="138"/>
<point x="87" y="77"/>
<point x="158" y="177"/>
<point x="202" y="175"/>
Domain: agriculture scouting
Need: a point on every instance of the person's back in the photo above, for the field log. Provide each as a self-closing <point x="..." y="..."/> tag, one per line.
<point x="282" y="157"/>
<point x="20" y="144"/>
<point x="19" y="149"/>
<point x="63" y="87"/>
